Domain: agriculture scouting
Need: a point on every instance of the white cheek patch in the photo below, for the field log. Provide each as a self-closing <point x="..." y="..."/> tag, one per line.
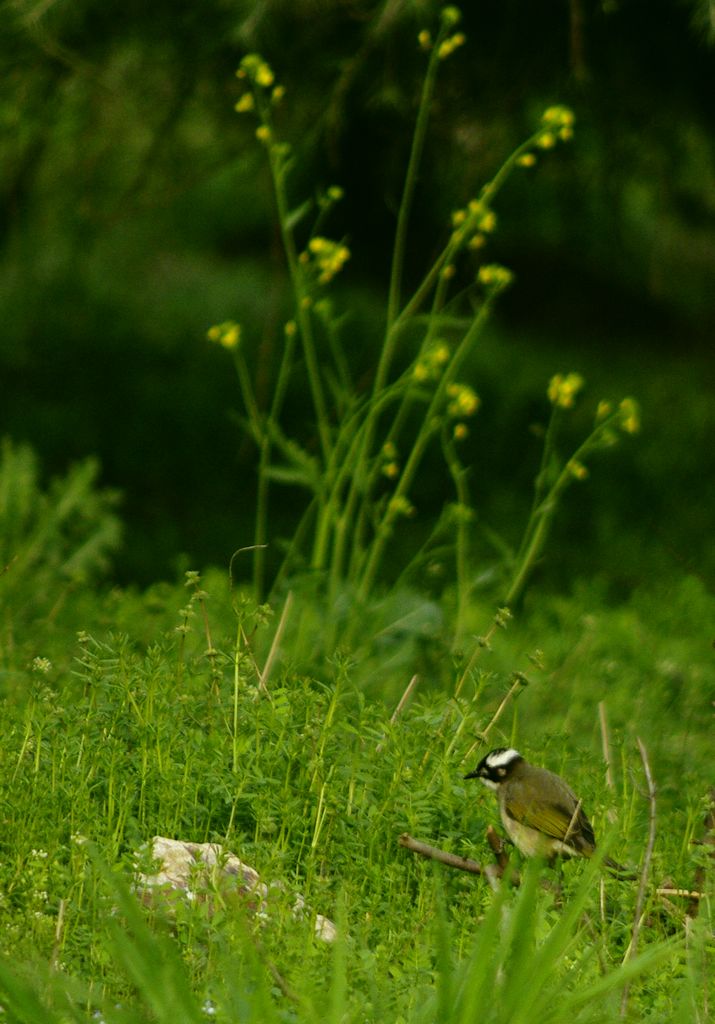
<point x="502" y="758"/>
<point x="488" y="783"/>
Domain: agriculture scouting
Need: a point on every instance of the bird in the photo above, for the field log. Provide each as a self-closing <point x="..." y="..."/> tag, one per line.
<point x="542" y="815"/>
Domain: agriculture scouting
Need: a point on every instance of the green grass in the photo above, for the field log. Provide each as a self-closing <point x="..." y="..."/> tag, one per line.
<point x="308" y="781"/>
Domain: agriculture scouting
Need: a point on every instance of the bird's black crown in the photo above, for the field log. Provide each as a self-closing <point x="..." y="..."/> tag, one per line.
<point x="496" y="765"/>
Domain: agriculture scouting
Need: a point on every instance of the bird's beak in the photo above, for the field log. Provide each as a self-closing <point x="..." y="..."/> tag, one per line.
<point x="472" y="775"/>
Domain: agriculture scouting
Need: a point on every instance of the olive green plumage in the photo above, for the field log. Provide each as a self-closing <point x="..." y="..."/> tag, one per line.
<point x="542" y="815"/>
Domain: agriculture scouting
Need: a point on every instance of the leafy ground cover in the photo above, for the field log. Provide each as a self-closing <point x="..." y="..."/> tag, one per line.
<point x="174" y="727"/>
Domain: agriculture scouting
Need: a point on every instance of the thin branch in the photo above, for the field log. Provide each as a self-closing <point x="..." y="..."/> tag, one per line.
<point x="492" y="872"/>
<point x="606" y="749"/>
<point x="404" y="698"/>
<point x="606" y="744"/>
<point x="572" y="823"/>
<point x="452" y="860"/>
<point x="409" y="690"/>
<point x="263" y="679"/>
<point x="59" y="930"/>
<point x="519" y="680"/>
<point x="645" y="870"/>
<point x="690" y="894"/>
<point x="497" y="846"/>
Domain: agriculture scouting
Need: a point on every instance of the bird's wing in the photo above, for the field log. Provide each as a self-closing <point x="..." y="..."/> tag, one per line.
<point x="553" y="819"/>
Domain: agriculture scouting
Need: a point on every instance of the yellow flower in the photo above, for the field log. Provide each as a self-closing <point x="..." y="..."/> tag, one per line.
<point x="563" y="389"/>
<point x="440" y="353"/>
<point x="465" y="401"/>
<point x="290" y="330"/>
<point x="400" y="506"/>
<point x="481" y="216"/>
<point x="424" y="39"/>
<point x="526" y="160"/>
<point x="495" y="275"/>
<point x="630" y="416"/>
<point x="448" y="47"/>
<point x="330" y="257"/>
<point x="278" y="94"/>
<point x="488" y="222"/>
<point x="244" y="104"/>
<point x="451" y="16"/>
<point x="431" y="361"/>
<point x="257" y="70"/>
<point x="391" y="470"/>
<point x="577" y="469"/>
<point x="263" y="133"/>
<point x="389" y="450"/>
<point x="461" y="430"/>
<point x="557" y="123"/>
<point x="558" y="117"/>
<point x="227" y="334"/>
<point x="480" y="220"/>
<point x="603" y="410"/>
<point x="264" y="76"/>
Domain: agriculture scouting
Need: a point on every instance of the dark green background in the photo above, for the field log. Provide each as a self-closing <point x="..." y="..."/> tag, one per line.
<point x="136" y="211"/>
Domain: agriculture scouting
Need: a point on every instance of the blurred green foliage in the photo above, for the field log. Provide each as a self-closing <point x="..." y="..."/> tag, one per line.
<point x="136" y="211"/>
<point x="52" y="543"/>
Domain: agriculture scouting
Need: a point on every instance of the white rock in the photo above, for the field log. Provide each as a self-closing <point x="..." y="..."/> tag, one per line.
<point x="194" y="869"/>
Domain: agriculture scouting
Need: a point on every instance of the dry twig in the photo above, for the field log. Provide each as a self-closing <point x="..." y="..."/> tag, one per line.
<point x="645" y="870"/>
<point x="263" y="678"/>
<point x="606" y="745"/>
<point x="453" y="860"/>
<point x="497" y="845"/>
<point x="409" y="690"/>
<point x="518" y="682"/>
<point x="492" y="872"/>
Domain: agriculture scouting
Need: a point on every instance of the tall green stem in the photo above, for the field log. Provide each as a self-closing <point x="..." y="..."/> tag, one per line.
<point x="430" y="423"/>
<point x="261" y="529"/>
<point x="360" y="480"/>
<point x="277" y="162"/>
<point x="459" y="476"/>
<point x="408" y="193"/>
<point x="537" y="530"/>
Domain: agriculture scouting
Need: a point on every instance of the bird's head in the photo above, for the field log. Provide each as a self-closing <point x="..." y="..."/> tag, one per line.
<point x="496" y="766"/>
